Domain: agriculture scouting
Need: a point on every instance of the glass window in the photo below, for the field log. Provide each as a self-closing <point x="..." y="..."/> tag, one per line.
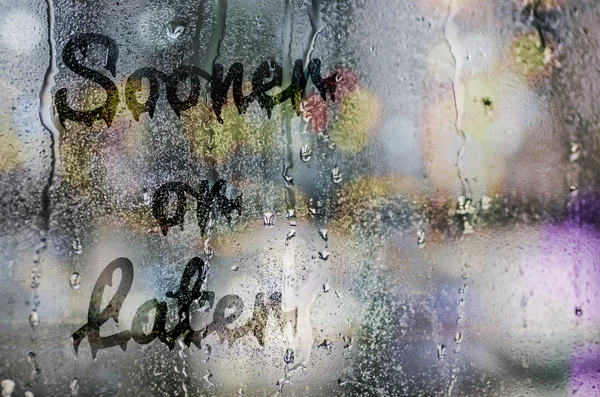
<point x="299" y="198"/>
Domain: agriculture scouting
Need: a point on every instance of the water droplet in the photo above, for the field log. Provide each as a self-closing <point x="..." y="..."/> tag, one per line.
<point x="336" y="175"/>
<point x="464" y="206"/>
<point x="574" y="151"/>
<point x="147" y="327"/>
<point x="289" y="356"/>
<point x="34" y="318"/>
<point x="324" y="255"/>
<point x="441" y="352"/>
<point x="458" y="337"/>
<point x="8" y="386"/>
<point x="286" y="175"/>
<point x="467" y="228"/>
<point x="326" y="287"/>
<point x="348" y="341"/>
<point x="175" y="28"/>
<point x="312" y="211"/>
<point x="207" y="350"/>
<point x="327" y="345"/>
<point x="290" y="235"/>
<point x="578" y="311"/>
<point x="486" y="202"/>
<point x="41" y="247"/>
<point x="75" y="280"/>
<point x="208" y="249"/>
<point x="323" y="234"/>
<point x="77" y="247"/>
<point x="235" y="268"/>
<point x="290" y="214"/>
<point x="74" y="387"/>
<point x="208" y="377"/>
<point x="574" y="147"/>
<point x="421" y="237"/>
<point x="282" y="382"/>
<point x="35" y="370"/>
<point x="268" y="218"/>
<point x="146" y="197"/>
<point x="465" y="276"/>
<point x="305" y="153"/>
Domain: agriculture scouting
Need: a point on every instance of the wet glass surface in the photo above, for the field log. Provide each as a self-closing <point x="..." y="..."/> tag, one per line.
<point x="391" y="199"/>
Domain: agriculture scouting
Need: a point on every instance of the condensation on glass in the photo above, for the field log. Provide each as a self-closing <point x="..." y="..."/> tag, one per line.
<point x="419" y="216"/>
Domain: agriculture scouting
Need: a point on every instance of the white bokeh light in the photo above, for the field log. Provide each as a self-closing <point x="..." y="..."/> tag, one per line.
<point x="21" y="31"/>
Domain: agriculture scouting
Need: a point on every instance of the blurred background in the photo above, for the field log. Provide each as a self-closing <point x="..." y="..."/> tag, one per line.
<point x="434" y="231"/>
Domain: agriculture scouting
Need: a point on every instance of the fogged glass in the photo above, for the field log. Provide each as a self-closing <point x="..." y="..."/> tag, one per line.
<point x="299" y="198"/>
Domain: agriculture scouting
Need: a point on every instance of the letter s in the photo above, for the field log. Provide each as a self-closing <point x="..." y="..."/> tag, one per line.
<point x="105" y="112"/>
